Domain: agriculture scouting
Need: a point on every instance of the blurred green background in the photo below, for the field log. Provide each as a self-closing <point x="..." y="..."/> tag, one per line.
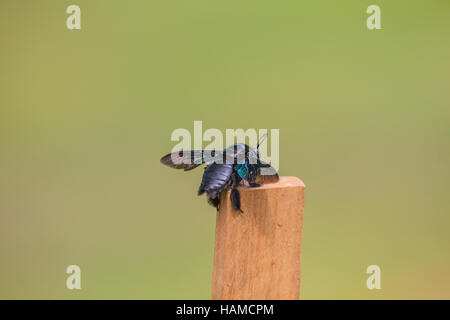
<point x="85" y="116"/>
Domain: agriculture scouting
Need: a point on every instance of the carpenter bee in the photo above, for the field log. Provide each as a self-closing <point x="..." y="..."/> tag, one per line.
<point x="235" y="165"/>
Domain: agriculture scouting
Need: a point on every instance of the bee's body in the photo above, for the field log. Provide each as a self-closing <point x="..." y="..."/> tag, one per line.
<point x="216" y="178"/>
<point x="226" y="169"/>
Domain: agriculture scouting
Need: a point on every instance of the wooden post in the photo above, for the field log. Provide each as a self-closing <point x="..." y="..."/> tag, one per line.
<point x="257" y="253"/>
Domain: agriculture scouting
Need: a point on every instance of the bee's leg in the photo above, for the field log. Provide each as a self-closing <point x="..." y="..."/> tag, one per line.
<point x="236" y="199"/>
<point x="214" y="202"/>
<point x="252" y="181"/>
<point x="235" y="196"/>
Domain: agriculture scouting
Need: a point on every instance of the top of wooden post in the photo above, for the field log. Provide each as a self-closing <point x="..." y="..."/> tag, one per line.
<point x="257" y="252"/>
<point x="283" y="182"/>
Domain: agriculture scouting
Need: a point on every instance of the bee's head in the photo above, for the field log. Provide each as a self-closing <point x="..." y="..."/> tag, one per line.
<point x="253" y="153"/>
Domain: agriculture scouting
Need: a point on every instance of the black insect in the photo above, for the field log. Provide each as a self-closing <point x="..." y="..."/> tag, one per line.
<point x="235" y="165"/>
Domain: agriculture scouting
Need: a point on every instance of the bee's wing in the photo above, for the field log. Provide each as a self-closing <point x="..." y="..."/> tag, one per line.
<point x="191" y="159"/>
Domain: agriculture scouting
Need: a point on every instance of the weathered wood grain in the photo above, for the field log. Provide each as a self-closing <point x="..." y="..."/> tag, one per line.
<point x="257" y="253"/>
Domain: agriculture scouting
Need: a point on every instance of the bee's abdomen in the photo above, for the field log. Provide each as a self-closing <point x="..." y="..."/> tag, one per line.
<point x="217" y="177"/>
